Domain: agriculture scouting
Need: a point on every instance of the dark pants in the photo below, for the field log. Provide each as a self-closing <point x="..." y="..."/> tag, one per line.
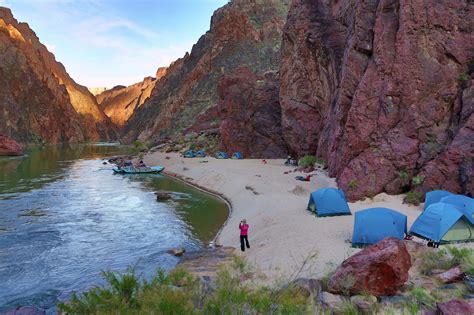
<point x="242" y="244"/>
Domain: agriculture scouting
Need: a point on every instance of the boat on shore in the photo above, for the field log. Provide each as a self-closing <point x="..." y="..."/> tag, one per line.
<point x="138" y="170"/>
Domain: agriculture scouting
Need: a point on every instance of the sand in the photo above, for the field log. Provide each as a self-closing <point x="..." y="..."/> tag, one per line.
<point x="283" y="234"/>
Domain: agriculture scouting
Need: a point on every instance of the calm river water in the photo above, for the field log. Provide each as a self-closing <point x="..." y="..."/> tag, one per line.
<point x="65" y="217"/>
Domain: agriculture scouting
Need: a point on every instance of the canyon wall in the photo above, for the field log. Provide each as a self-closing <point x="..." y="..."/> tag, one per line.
<point x="39" y="102"/>
<point x="242" y="33"/>
<point x="382" y="91"/>
<point x="120" y="102"/>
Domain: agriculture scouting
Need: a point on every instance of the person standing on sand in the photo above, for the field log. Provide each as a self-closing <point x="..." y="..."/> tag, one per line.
<point x="244" y="229"/>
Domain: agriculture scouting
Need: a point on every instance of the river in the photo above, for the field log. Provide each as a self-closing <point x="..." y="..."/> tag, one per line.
<point x="65" y="217"/>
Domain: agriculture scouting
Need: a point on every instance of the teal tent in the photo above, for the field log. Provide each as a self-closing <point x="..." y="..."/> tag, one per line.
<point x="465" y="203"/>
<point x="200" y="153"/>
<point x="237" y="156"/>
<point x="328" y="202"/>
<point x="435" y="196"/>
<point x="443" y="223"/>
<point x="222" y="155"/>
<point x="189" y="154"/>
<point x="374" y="224"/>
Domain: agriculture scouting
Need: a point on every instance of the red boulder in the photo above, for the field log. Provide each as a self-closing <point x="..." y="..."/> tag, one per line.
<point x="8" y="146"/>
<point x="381" y="269"/>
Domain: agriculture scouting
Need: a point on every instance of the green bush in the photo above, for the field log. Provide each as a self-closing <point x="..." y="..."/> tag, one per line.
<point x="414" y="197"/>
<point x="422" y="297"/>
<point x="417" y="180"/>
<point x="177" y="292"/>
<point x="307" y="160"/>
<point x="403" y="175"/>
<point x="447" y="258"/>
<point x="463" y="78"/>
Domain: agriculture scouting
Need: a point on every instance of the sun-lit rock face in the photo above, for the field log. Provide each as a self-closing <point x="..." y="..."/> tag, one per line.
<point x="242" y="33"/>
<point x="38" y="99"/>
<point x="381" y="91"/>
<point x="120" y="102"/>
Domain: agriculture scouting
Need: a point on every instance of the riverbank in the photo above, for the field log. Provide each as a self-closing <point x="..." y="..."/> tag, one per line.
<point x="283" y="234"/>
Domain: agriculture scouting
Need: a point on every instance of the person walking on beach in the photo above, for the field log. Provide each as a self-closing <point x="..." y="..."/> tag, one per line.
<point x="244" y="229"/>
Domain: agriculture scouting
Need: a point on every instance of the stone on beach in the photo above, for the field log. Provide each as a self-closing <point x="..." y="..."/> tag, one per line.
<point x="380" y="269"/>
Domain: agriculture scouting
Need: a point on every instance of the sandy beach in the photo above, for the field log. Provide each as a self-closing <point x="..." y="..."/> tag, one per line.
<point x="282" y="234"/>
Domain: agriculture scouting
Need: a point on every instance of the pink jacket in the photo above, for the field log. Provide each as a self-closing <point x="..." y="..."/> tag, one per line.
<point x="244" y="228"/>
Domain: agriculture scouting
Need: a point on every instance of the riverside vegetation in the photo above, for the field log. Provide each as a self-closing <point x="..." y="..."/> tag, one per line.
<point x="179" y="292"/>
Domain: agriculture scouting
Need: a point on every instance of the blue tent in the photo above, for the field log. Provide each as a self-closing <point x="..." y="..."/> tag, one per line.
<point x="435" y="196"/>
<point x="200" y="153"/>
<point x="465" y="203"/>
<point x="222" y="155"/>
<point x="374" y="224"/>
<point x="328" y="202"/>
<point x="189" y="154"/>
<point x="237" y="156"/>
<point x="443" y="223"/>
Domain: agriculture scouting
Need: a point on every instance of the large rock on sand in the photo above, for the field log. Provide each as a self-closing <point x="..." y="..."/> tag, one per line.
<point x="9" y="147"/>
<point x="381" y="269"/>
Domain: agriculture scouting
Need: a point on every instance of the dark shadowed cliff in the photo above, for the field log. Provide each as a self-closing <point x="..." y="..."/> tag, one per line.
<point x="242" y="33"/>
<point x="382" y="90"/>
<point x="38" y="100"/>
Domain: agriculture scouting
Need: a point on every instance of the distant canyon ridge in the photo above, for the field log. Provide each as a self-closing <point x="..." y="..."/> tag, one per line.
<point x="381" y="91"/>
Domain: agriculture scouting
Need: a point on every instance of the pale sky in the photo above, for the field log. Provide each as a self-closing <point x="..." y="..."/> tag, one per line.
<point x="111" y="42"/>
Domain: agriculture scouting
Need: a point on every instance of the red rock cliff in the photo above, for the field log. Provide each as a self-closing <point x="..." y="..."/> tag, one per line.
<point x="120" y="102"/>
<point x="38" y="99"/>
<point x="242" y="33"/>
<point x="379" y="89"/>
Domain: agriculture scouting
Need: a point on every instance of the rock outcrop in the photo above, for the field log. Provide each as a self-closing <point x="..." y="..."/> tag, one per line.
<point x="377" y="88"/>
<point x="455" y="307"/>
<point x="120" y="102"/>
<point x="249" y="113"/>
<point x="38" y="100"/>
<point x="9" y="147"/>
<point x="242" y="33"/>
<point x="380" y="269"/>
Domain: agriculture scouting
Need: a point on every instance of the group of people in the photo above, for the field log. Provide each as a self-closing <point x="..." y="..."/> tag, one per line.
<point x="128" y="163"/>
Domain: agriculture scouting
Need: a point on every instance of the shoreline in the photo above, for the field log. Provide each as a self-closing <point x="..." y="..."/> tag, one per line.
<point x="283" y="235"/>
<point x="209" y="192"/>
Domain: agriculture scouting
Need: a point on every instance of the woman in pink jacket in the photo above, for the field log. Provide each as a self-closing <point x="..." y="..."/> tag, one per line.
<point x="244" y="229"/>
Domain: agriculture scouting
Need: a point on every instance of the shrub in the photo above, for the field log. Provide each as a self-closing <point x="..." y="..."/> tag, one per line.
<point x="403" y="175"/>
<point x="463" y="78"/>
<point x="307" y="160"/>
<point x="321" y="162"/>
<point x="138" y="147"/>
<point x="349" y="308"/>
<point x="414" y="197"/>
<point x="447" y="258"/>
<point x="417" y="180"/>
<point x="422" y="297"/>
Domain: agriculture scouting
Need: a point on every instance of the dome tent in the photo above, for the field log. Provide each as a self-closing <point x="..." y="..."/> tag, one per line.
<point x="328" y="202"/>
<point x="374" y="224"/>
<point x="443" y="223"/>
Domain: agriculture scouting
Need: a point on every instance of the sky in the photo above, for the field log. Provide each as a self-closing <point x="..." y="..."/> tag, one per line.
<point x="103" y="43"/>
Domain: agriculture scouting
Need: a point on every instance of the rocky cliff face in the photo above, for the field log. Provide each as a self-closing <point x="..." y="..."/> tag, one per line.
<point x="120" y="102"/>
<point x="381" y="90"/>
<point x="242" y="33"/>
<point x="38" y="99"/>
<point x="249" y="113"/>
